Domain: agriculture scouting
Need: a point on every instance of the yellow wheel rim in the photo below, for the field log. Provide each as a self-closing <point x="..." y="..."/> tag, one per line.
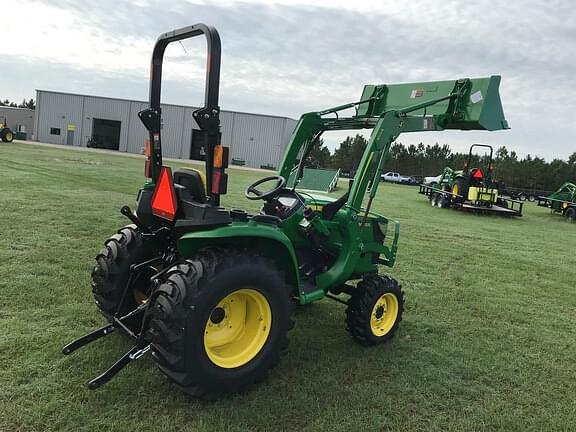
<point x="456" y="189"/>
<point x="9" y="136"/>
<point x="140" y="297"/>
<point x="142" y="281"/>
<point x="237" y="328"/>
<point x="384" y="314"/>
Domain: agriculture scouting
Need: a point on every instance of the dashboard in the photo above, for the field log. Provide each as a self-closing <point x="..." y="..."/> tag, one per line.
<point x="283" y="205"/>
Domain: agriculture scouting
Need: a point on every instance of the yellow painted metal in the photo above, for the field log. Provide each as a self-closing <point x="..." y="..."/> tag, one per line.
<point x="483" y="194"/>
<point x="9" y="136"/>
<point x="243" y="330"/>
<point x="455" y="189"/>
<point x="140" y="297"/>
<point x="384" y="314"/>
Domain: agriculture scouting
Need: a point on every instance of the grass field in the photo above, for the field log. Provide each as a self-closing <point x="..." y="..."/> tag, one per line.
<point x="487" y="341"/>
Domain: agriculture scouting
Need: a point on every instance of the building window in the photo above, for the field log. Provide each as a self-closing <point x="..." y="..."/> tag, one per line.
<point x="54" y="131"/>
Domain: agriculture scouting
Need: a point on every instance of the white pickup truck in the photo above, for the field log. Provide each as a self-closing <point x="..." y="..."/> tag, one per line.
<point x="395" y="178"/>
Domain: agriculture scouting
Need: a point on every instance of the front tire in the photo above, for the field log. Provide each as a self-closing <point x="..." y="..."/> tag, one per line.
<point x="220" y="322"/>
<point x="375" y="310"/>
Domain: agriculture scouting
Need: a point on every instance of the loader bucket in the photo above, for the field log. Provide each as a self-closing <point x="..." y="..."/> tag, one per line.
<point x="480" y="108"/>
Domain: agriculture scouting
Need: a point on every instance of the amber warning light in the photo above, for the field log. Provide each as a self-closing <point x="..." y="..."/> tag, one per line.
<point x="164" y="202"/>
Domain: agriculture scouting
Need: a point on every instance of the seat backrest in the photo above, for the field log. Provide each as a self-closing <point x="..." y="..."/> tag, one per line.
<point x="193" y="181"/>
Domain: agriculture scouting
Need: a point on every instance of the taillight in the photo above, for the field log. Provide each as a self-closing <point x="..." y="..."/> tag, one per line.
<point x="147" y="164"/>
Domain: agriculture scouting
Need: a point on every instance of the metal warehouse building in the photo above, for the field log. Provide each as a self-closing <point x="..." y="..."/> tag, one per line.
<point x="80" y="120"/>
<point x="20" y="120"/>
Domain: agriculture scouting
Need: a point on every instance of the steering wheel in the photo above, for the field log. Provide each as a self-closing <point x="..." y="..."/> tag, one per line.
<point x="254" y="194"/>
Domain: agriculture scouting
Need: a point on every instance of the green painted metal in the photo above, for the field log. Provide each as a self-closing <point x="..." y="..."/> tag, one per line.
<point x="478" y="108"/>
<point x="322" y="180"/>
<point x="563" y="198"/>
<point x="357" y="239"/>
<point x="269" y="240"/>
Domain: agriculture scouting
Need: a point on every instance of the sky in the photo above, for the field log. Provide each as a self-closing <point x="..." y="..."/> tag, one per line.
<point x="285" y="57"/>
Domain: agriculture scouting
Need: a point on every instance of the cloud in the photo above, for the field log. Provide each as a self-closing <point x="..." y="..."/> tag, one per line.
<point x="287" y="57"/>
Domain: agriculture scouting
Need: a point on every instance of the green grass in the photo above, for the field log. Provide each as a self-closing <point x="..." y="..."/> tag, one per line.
<point x="487" y="340"/>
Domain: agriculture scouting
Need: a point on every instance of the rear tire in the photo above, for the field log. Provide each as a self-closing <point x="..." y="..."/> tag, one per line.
<point x="197" y="339"/>
<point x="7" y="136"/>
<point x="112" y="270"/>
<point x="570" y="214"/>
<point x="375" y="310"/>
<point x="460" y="187"/>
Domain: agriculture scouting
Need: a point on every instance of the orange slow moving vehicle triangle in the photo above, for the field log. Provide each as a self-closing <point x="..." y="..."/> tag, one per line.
<point x="478" y="174"/>
<point x="164" y="202"/>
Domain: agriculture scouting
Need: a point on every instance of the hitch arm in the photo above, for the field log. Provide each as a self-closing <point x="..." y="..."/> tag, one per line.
<point x="133" y="354"/>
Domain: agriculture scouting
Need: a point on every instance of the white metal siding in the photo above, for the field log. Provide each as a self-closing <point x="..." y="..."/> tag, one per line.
<point x="137" y="133"/>
<point x="18" y="117"/>
<point x="58" y="111"/>
<point x="258" y="139"/>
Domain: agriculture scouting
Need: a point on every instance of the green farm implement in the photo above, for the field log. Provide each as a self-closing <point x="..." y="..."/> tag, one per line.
<point x="6" y="133"/>
<point x="471" y="189"/>
<point x="563" y="201"/>
<point x="209" y="291"/>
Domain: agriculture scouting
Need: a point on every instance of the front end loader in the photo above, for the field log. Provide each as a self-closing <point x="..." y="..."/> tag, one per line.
<point x="209" y="291"/>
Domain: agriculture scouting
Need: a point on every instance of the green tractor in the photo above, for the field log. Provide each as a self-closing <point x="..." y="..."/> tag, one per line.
<point x="6" y="133"/>
<point x="209" y="291"/>
<point x="473" y="184"/>
<point x="471" y="188"/>
<point x="563" y="201"/>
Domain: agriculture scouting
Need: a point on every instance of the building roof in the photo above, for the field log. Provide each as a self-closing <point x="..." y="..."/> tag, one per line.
<point x="167" y="104"/>
<point x="16" y="108"/>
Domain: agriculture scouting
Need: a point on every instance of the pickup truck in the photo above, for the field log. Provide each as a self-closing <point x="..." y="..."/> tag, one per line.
<point x="396" y="178"/>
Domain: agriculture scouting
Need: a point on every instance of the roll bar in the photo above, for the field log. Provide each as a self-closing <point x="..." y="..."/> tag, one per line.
<point x="207" y="117"/>
<point x="470" y="154"/>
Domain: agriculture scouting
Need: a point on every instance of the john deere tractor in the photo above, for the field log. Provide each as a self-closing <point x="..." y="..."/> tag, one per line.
<point x="471" y="184"/>
<point x="208" y="291"/>
<point x="6" y="133"/>
<point x="563" y="201"/>
<point x="472" y="189"/>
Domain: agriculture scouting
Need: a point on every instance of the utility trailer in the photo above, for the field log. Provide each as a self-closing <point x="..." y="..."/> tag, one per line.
<point x="563" y="201"/>
<point x="483" y="203"/>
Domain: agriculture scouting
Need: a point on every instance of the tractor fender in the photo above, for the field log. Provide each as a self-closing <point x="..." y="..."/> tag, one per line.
<point x="267" y="240"/>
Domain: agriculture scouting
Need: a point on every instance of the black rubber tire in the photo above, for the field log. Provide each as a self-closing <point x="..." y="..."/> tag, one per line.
<point x="361" y="304"/>
<point x="462" y="190"/>
<point x="112" y="270"/>
<point x="182" y="305"/>
<point x="434" y="199"/>
<point x="441" y="202"/>
<point x="570" y="214"/>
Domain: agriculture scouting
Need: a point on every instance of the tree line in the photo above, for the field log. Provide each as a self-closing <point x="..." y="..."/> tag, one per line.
<point x="419" y="160"/>
<point x="30" y="104"/>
